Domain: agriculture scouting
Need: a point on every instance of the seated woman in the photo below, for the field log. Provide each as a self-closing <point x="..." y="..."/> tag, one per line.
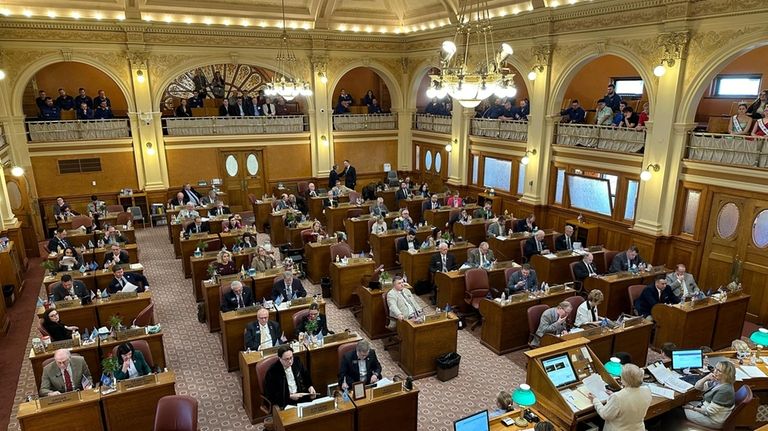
<point x="454" y="200"/>
<point x="314" y="323"/>
<point x="224" y="264"/>
<point x="719" y="397"/>
<point x="248" y="240"/>
<point x="503" y="404"/>
<point x="587" y="311"/>
<point x="423" y="190"/>
<point x="235" y="222"/>
<point x="761" y="125"/>
<point x="741" y="122"/>
<point x="318" y="233"/>
<point x="70" y="260"/>
<point x="368" y="99"/>
<point x="625" y="409"/>
<point x="130" y="362"/>
<point x="643" y="117"/>
<point x="262" y="261"/>
<point x="380" y="226"/>
<point x="53" y="326"/>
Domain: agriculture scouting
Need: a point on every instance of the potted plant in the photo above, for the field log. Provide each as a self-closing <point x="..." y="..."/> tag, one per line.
<point x="109" y="367"/>
<point x="49" y="266"/>
<point x="116" y="322"/>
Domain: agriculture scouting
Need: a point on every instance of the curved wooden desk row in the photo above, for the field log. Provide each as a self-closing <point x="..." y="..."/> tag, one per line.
<point x="124" y="409"/>
<point x="199" y="267"/>
<point x="93" y="280"/>
<point x="77" y="238"/>
<point x="100" y="311"/>
<point x="97" y="254"/>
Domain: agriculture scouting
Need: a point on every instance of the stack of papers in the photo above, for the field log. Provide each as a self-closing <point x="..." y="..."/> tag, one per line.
<point x="752" y="371"/>
<point x="660" y="391"/>
<point x="595" y="385"/>
<point x="577" y="401"/>
<point x="669" y="378"/>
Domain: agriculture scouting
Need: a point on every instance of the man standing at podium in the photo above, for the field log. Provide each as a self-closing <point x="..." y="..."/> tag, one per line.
<point x="287" y="381"/>
<point x="65" y="374"/>
<point x="400" y="301"/>
<point x="360" y="365"/>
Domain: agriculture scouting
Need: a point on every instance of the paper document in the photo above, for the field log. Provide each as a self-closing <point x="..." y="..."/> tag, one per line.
<point x="136" y="266"/>
<point x="741" y="375"/>
<point x="660" y="391"/>
<point x="753" y="371"/>
<point x="669" y="378"/>
<point x="129" y="287"/>
<point x="383" y="382"/>
<point x="576" y="399"/>
<point x="596" y="386"/>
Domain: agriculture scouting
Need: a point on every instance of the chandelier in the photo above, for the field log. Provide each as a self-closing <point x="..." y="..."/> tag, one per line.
<point x="283" y="83"/>
<point x="470" y="72"/>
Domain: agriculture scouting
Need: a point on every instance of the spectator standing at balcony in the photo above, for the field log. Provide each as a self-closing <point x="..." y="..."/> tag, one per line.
<point x="65" y="102"/>
<point x="217" y="85"/>
<point x="604" y="115"/>
<point x="256" y="108"/>
<point x="183" y="110"/>
<point x="40" y="101"/>
<point x="369" y="98"/>
<point x="350" y="175"/>
<point x="345" y="97"/>
<point x="268" y="108"/>
<point x="282" y="107"/>
<point x="224" y="109"/>
<point x="445" y="108"/>
<point x="510" y="111"/>
<point x="195" y="101"/>
<point x="761" y="125"/>
<point x="201" y="84"/>
<point x="103" y="112"/>
<point x="433" y="107"/>
<point x="82" y="97"/>
<point x="495" y="111"/>
<point x="248" y="103"/>
<point x="757" y="108"/>
<point x="50" y="111"/>
<point x="102" y="97"/>
<point x="84" y="113"/>
<point x="374" y="107"/>
<point x="574" y="115"/>
<point x="333" y="177"/>
<point x="643" y="117"/>
<point x="618" y="116"/>
<point x="524" y="111"/>
<point x="631" y="119"/>
<point x="238" y="109"/>
<point x="612" y="100"/>
<point x="741" y="122"/>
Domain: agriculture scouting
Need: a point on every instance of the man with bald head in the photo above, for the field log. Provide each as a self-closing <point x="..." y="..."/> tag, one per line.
<point x="535" y="245"/>
<point x="66" y="373"/>
<point x="482" y="256"/>
<point x="442" y="261"/>
<point x="238" y="297"/>
<point x="585" y="268"/>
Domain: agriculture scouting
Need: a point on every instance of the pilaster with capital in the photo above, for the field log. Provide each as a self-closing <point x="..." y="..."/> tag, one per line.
<point x="320" y="121"/>
<point x="404" y="116"/>
<point x="461" y="122"/>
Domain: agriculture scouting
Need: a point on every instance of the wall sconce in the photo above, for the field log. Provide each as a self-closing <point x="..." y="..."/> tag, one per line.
<point x="535" y="71"/>
<point x="150" y="149"/>
<point x="525" y="160"/>
<point x="16" y="170"/>
<point x="449" y="146"/>
<point x="323" y="77"/>
<point x="2" y="74"/>
<point x="646" y="174"/>
<point x="140" y="76"/>
<point x="660" y="70"/>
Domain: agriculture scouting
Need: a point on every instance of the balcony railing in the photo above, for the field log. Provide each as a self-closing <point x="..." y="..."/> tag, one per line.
<point x="728" y="149"/>
<point x="432" y="123"/>
<point x="511" y="130"/>
<point x="206" y="126"/>
<point x="349" y="122"/>
<point x="77" y="130"/>
<point x="609" y="138"/>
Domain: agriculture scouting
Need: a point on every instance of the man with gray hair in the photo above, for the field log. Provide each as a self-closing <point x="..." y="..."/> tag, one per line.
<point x="360" y="365"/>
<point x="553" y="321"/>
<point x="66" y="373"/>
<point x="238" y="297"/>
<point x="288" y="288"/>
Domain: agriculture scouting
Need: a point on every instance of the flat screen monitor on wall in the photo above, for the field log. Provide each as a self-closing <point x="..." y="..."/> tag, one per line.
<point x="589" y="194"/>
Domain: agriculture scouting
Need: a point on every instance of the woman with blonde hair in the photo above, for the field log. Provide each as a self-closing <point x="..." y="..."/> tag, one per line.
<point x="317" y="231"/>
<point x="224" y="264"/>
<point x="719" y="397"/>
<point x="263" y="260"/>
<point x="587" y="311"/>
<point x="380" y="226"/>
<point x="625" y="410"/>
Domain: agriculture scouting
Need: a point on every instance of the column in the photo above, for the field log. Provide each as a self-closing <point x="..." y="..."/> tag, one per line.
<point x="461" y="118"/>
<point x="320" y="121"/>
<point x="404" y="138"/>
<point x="13" y="129"/>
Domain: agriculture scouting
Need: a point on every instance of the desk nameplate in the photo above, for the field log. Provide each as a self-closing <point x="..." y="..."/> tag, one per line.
<point x="389" y="389"/>
<point x="61" y="344"/>
<point x="119" y="296"/>
<point x="301" y="301"/>
<point x="247" y="310"/>
<point x="70" y="303"/>
<point x="315" y="409"/>
<point x="341" y="336"/>
<point x="130" y="333"/>
<point x="55" y="400"/>
<point x="126" y="385"/>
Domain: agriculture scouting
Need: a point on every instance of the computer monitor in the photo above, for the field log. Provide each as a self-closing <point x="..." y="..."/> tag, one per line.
<point x="559" y="369"/>
<point x="690" y="358"/>
<point x="475" y="422"/>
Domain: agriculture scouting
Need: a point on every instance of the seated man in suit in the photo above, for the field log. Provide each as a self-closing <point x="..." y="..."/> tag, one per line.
<point x="361" y="365"/>
<point x="626" y="260"/>
<point x="401" y="304"/>
<point x="187" y="212"/>
<point x="682" y="283"/>
<point x="485" y="213"/>
<point x="566" y="240"/>
<point x="404" y="222"/>
<point x="219" y="210"/>
<point x="198" y="226"/>
<point x="116" y="256"/>
<point x="497" y="227"/>
<point x="442" y="261"/>
<point x="330" y="201"/>
<point x="191" y="195"/>
<point x="282" y="204"/>
<point x="179" y="200"/>
<point x="408" y="242"/>
<point x="523" y="280"/>
<point x="288" y="288"/>
<point x="263" y="333"/>
<point x="482" y="256"/>
<point x="313" y="323"/>
<point x="287" y="381"/>
<point x="403" y="192"/>
<point x="113" y="236"/>
<point x="430" y="204"/>
<point x="527" y="224"/>
<point x="656" y="293"/>
<point x="535" y="245"/>
<point x="311" y="191"/>
<point x="59" y="241"/>
<point x="66" y="373"/>
<point x="585" y="268"/>
<point x="379" y="208"/>
<point x="239" y="297"/>
<point x="70" y="289"/>
<point x="553" y="321"/>
<point x="122" y="279"/>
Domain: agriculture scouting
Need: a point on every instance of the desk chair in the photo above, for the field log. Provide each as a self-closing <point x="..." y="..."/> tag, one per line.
<point x="80" y="221"/>
<point x="115" y="208"/>
<point x="522" y="251"/>
<point x="123" y="218"/>
<point x="354" y="212"/>
<point x="261" y="372"/>
<point x="51" y="359"/>
<point x="41" y="329"/>
<point x="297" y="317"/>
<point x="340" y="249"/>
<point x="476" y="288"/>
<point x="392" y="179"/>
<point x="354" y="196"/>
<point x="302" y="187"/>
<point x="578" y="285"/>
<point x="307" y="236"/>
<point x="508" y="274"/>
<point x="143" y="347"/>
<point x="50" y="288"/>
<point x="635" y="291"/>
<point x="392" y="341"/>
<point x="609" y="255"/>
<point x="743" y="398"/>
<point x="176" y="413"/>
<point x="534" y="318"/>
<point x="344" y="349"/>
<point x="146" y="316"/>
<point x="136" y="215"/>
<point x="575" y="302"/>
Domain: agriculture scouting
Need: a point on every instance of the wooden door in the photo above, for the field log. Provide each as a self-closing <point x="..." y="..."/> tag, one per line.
<point x="242" y="173"/>
<point x="433" y="166"/>
<point x="26" y="212"/>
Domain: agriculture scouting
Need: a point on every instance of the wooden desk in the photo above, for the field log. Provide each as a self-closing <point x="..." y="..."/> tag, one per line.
<point x="496" y="425"/>
<point x="335" y="216"/>
<point x="261" y="210"/>
<point x="383" y="247"/>
<point x="346" y="278"/>
<point x="81" y="415"/>
<point x="614" y="288"/>
<point x="358" y="231"/>
<point x="504" y="326"/>
<point x="323" y="361"/>
<point x="155" y="342"/>
<point x="200" y="267"/>
<point x="176" y="234"/>
<point x="89" y="352"/>
<point x="263" y="283"/>
<point x="438" y="218"/>
<point x="93" y="280"/>
<point x="398" y="411"/>
<point x="389" y="198"/>
<point x="212" y="299"/>
<point x="277" y="232"/>
<point x="82" y="316"/>
<point x="416" y="264"/>
<point x="413" y="205"/>
<point x="341" y="419"/>
<point x="422" y="343"/>
<point x="709" y="323"/>
<point x="587" y="233"/>
<point x="103" y="277"/>
<point x="188" y="247"/>
<point x="606" y="342"/>
<point x="127" y="308"/>
<point x="294" y="234"/>
<point x="317" y="256"/>
<point x="451" y="284"/>
<point x="78" y="238"/>
<point x="97" y="255"/>
<point x="315" y="206"/>
<point x="556" y="269"/>
<point x="508" y="248"/>
<point x="373" y="320"/>
<point x="474" y="231"/>
<point x="134" y="409"/>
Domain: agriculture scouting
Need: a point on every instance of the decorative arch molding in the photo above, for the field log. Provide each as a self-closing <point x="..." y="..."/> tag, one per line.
<point x="393" y="84"/>
<point x="119" y="76"/>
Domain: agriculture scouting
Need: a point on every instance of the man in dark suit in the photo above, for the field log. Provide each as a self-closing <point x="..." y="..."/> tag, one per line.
<point x="625" y="260"/>
<point x="82" y="97"/>
<point x="178" y="200"/>
<point x="183" y="110"/>
<point x="239" y="297"/>
<point x="408" y="241"/>
<point x="116" y="256"/>
<point x="485" y="213"/>
<point x="122" y="278"/>
<point x="657" y="293"/>
<point x="535" y="245"/>
<point x="66" y="373"/>
<point x="379" y="209"/>
<point x="288" y="288"/>
<point x="85" y="113"/>
<point x="585" y="268"/>
<point x="276" y="387"/>
<point x="219" y="209"/>
<point x="321" y="327"/>
<point x="191" y="195"/>
<point x="566" y="240"/>
<point x="361" y="365"/>
<point x="430" y="204"/>
<point x="225" y="110"/>
<point x="527" y="224"/>
<point x="350" y="175"/>
<point x="333" y="176"/>
<point x="263" y="333"/>
<point x="59" y="240"/>
<point x="403" y="192"/>
<point x="523" y="280"/>
<point x="197" y="227"/>
<point x="442" y="261"/>
<point x="70" y="289"/>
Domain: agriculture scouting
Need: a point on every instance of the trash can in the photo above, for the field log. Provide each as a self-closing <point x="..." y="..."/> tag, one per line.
<point x="325" y="285"/>
<point x="8" y="294"/>
<point x="448" y="366"/>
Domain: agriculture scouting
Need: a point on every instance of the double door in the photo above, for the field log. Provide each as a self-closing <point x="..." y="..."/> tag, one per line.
<point x="242" y="174"/>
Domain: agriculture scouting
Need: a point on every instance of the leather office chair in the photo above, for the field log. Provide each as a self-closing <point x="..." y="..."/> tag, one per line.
<point x="123" y="218"/>
<point x="261" y="372"/>
<point x="346" y="348"/>
<point x="302" y="187"/>
<point x="224" y="288"/>
<point x="635" y="291"/>
<point x="115" y="208"/>
<point x="297" y="317"/>
<point x="307" y="236"/>
<point x="354" y="196"/>
<point x="393" y="340"/>
<point x="578" y="285"/>
<point x="508" y="274"/>
<point x="476" y="287"/>
<point x="392" y="179"/>
<point x="534" y="318"/>
<point x="146" y="316"/>
<point x="341" y="249"/>
<point x="41" y="329"/>
<point x="354" y="212"/>
<point x="743" y="397"/>
<point x="522" y="251"/>
<point x="82" y="220"/>
<point x="176" y="413"/>
<point x="143" y="347"/>
<point x="575" y="302"/>
<point x="49" y="289"/>
<point x="608" y="256"/>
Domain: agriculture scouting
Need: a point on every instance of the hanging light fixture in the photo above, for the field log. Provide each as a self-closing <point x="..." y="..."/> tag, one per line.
<point x="469" y="71"/>
<point x="283" y="82"/>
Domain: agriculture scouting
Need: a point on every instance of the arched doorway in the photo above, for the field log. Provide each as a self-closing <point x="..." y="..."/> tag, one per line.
<point x="357" y="83"/>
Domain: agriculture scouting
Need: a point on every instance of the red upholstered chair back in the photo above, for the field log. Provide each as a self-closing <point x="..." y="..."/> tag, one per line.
<point x="635" y="291"/>
<point x="261" y="370"/>
<point x="115" y="208"/>
<point x="342" y="250"/>
<point x="49" y="289"/>
<point x="534" y="317"/>
<point x="522" y="250"/>
<point x="81" y="220"/>
<point x="508" y="273"/>
<point x="143" y="347"/>
<point x="354" y="196"/>
<point x="302" y="187"/>
<point x="384" y="304"/>
<point x="609" y="255"/>
<point x="575" y="301"/>
<point x="346" y="348"/>
<point x="354" y="212"/>
<point x="41" y="329"/>
<point x="307" y="236"/>
<point x="743" y="397"/>
<point x="571" y="267"/>
<point x="476" y="286"/>
<point x="123" y="217"/>
<point x="252" y="198"/>
<point x="176" y="413"/>
<point x="224" y="288"/>
<point x="274" y="203"/>
<point x="298" y="316"/>
<point x="146" y="316"/>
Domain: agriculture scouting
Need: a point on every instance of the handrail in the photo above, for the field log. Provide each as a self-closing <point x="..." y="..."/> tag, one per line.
<point x="77" y="130"/>
<point x="432" y="123"/>
<point x="255" y="125"/>
<point x="619" y="139"/>
<point x="728" y="149"/>
<point x="349" y="122"/>
<point x="512" y="130"/>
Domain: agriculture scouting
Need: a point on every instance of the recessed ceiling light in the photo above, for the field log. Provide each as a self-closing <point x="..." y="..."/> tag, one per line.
<point x="147" y="18"/>
<point x="168" y="19"/>
<point x="98" y="16"/>
<point x="244" y="22"/>
<point x="5" y="12"/>
<point x="207" y="21"/>
<point x="51" y="14"/>
<point x="120" y="16"/>
<point x="187" y="20"/>
<point x="27" y="13"/>
<point x="225" y="22"/>
<point x="76" y="15"/>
